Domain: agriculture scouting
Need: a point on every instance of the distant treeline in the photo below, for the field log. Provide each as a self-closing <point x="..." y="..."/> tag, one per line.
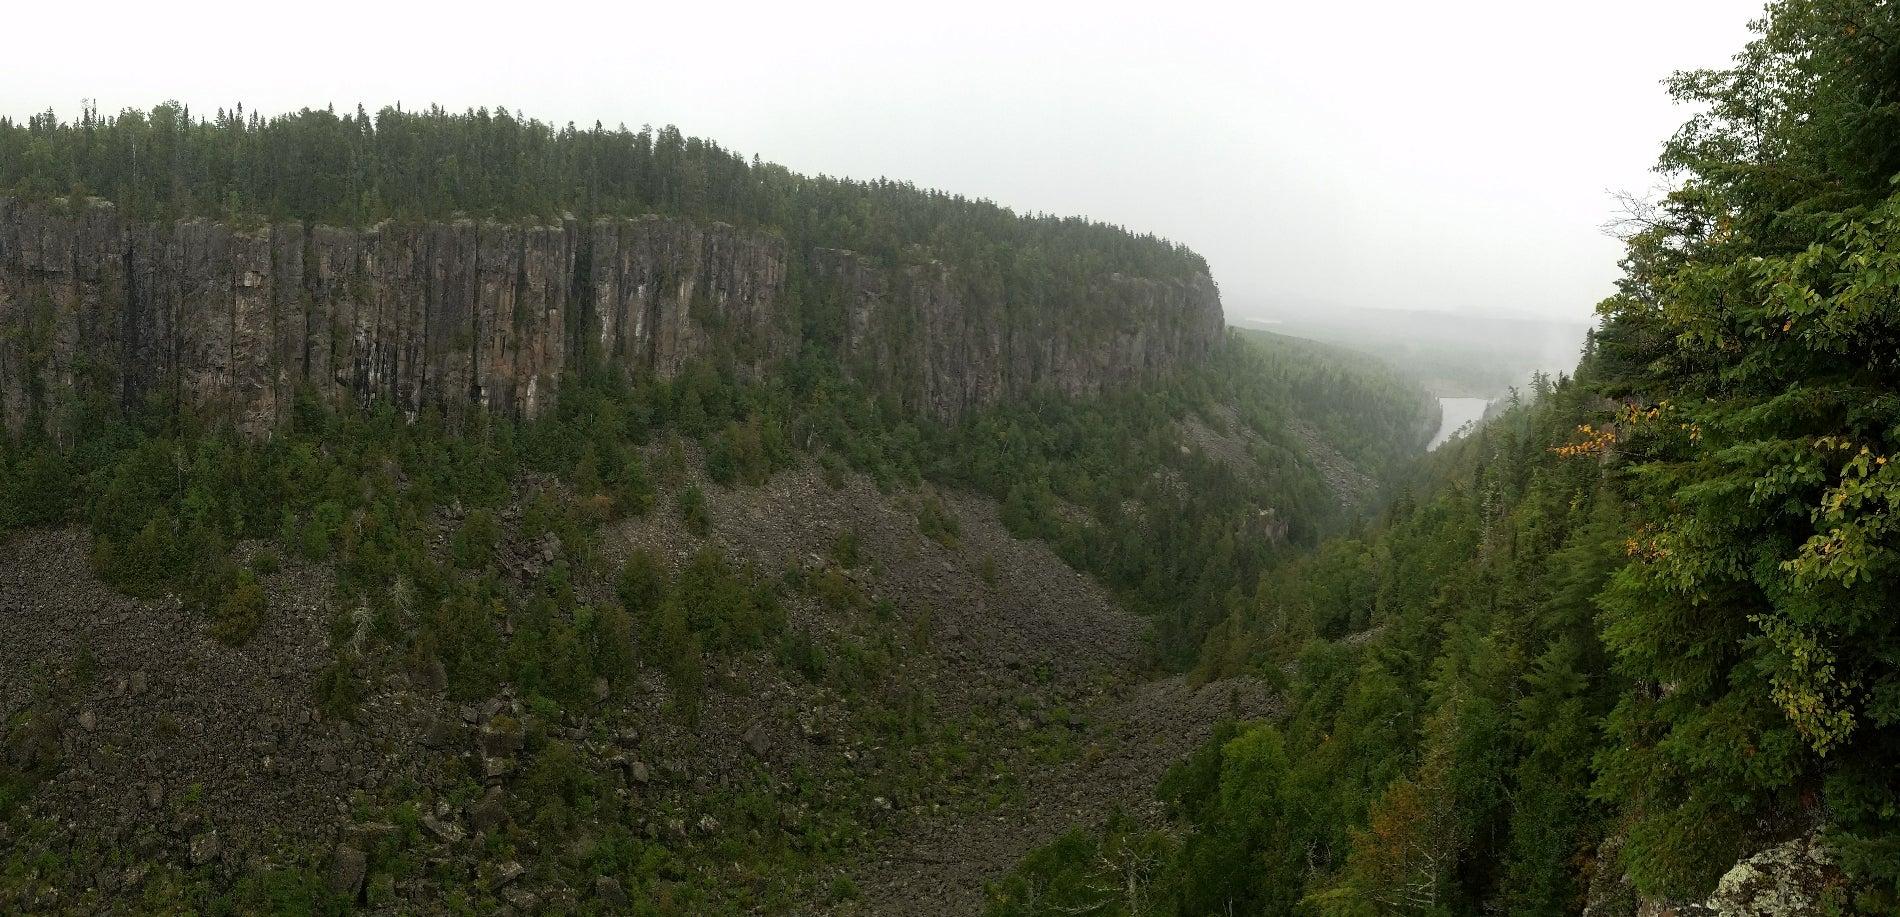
<point x="356" y="167"/>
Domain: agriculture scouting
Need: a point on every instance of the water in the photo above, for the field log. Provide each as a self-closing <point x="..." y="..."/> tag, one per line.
<point x="1456" y="412"/>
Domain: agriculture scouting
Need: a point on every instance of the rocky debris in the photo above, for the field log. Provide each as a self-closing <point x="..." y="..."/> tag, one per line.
<point x="1002" y="614"/>
<point x="1351" y="486"/>
<point x="1141" y="735"/>
<point x="1029" y="639"/>
<point x="348" y="866"/>
<point x="182" y="728"/>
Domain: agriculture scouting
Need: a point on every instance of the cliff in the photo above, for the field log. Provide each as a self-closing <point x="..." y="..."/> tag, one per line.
<point x="232" y="320"/>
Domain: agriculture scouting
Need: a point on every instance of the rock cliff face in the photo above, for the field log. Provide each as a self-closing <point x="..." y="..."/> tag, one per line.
<point x="233" y="320"/>
<point x="947" y="349"/>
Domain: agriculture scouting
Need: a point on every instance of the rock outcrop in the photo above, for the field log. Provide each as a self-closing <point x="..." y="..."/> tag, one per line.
<point x="1794" y="877"/>
<point x="922" y="332"/>
<point x="235" y="320"/>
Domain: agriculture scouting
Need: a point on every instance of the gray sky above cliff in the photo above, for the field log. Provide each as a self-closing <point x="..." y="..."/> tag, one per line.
<point x="1444" y="156"/>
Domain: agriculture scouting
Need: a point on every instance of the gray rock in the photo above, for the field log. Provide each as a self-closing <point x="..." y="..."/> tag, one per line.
<point x="506" y="873"/>
<point x="348" y="866"/>
<point x="489" y="812"/>
<point x="442" y="733"/>
<point x="234" y="350"/>
<point x="757" y="739"/>
<point x="500" y="741"/>
<point x="205" y="848"/>
<point x="447" y="832"/>
<point x="1785" y="879"/>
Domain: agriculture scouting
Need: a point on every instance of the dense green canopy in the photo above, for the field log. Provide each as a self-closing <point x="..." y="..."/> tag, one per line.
<point x="1642" y="626"/>
<point x="357" y="168"/>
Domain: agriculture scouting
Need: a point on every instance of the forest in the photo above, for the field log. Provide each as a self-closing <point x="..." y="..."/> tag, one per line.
<point x="358" y="168"/>
<point x="416" y="519"/>
<point x="1636" y="629"/>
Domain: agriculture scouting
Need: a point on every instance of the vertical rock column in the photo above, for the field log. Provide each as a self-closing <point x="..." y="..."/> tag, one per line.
<point x="290" y="319"/>
<point x="497" y="284"/>
<point x="254" y="355"/>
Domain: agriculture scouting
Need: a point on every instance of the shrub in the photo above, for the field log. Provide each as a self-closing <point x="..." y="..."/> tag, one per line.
<point x="239" y="613"/>
<point x="474" y="544"/>
<point x="693" y="510"/>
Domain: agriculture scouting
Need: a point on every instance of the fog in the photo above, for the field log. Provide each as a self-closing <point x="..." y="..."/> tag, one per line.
<point x="1454" y="156"/>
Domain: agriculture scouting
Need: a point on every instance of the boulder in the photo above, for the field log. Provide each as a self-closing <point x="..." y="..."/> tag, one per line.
<point x="442" y="733"/>
<point x="489" y="812"/>
<point x="501" y="739"/>
<point x="1785" y="879"/>
<point x="348" y="866"/>
<point x="205" y="848"/>
<point x="758" y="740"/>
<point x="447" y="832"/>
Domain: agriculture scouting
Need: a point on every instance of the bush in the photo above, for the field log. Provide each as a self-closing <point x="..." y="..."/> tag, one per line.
<point x="693" y="510"/>
<point x="240" y="612"/>
<point x="474" y="544"/>
<point x="937" y="521"/>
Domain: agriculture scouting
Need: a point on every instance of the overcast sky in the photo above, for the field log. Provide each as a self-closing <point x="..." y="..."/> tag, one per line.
<point x="1450" y="155"/>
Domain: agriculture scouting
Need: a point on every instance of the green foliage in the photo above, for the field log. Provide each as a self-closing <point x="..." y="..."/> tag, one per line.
<point x="357" y="168"/>
<point x="693" y="511"/>
<point x="473" y="546"/>
<point x="415" y="516"/>
<point x="938" y="521"/>
<point x="1642" y="625"/>
<point x="1085" y="873"/>
<point x="240" y="611"/>
<point x="1445" y="688"/>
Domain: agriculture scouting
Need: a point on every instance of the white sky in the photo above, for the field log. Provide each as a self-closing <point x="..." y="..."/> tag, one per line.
<point x="1450" y="155"/>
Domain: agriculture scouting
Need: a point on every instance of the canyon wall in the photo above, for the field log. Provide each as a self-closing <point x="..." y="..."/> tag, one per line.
<point x="233" y="320"/>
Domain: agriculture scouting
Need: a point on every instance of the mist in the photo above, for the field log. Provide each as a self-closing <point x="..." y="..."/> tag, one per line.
<point x="1451" y="157"/>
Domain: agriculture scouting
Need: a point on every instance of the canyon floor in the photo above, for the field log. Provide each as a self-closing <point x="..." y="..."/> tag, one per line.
<point x="178" y="756"/>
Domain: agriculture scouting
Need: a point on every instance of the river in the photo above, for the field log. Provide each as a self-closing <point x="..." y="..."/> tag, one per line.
<point x="1456" y="413"/>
